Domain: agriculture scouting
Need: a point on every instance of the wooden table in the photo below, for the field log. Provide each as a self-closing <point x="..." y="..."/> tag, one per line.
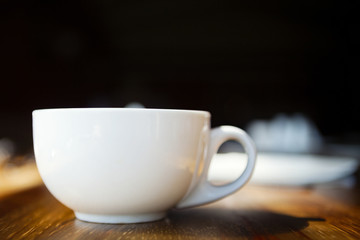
<point x="252" y="213"/>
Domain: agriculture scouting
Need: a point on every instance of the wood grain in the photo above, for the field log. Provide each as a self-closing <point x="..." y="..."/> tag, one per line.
<point x="251" y="213"/>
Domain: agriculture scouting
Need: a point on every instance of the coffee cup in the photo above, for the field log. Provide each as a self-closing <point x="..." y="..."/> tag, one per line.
<point x="120" y="165"/>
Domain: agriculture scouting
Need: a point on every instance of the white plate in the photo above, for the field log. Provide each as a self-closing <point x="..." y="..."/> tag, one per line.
<point x="283" y="169"/>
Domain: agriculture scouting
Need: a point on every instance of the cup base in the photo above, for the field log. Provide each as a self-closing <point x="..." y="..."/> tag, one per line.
<point x="118" y="219"/>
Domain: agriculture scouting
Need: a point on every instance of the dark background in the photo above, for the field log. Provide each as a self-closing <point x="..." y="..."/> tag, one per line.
<point x="240" y="60"/>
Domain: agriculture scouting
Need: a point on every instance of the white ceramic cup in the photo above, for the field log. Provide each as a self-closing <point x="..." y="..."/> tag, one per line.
<point x="118" y="165"/>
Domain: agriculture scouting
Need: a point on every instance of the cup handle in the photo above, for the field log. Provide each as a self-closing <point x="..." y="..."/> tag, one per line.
<point x="205" y="192"/>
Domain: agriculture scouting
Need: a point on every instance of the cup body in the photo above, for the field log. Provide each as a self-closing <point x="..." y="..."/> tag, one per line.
<point x="119" y="165"/>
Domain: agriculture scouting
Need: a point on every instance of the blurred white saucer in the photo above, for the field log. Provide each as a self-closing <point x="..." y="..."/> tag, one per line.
<point x="283" y="169"/>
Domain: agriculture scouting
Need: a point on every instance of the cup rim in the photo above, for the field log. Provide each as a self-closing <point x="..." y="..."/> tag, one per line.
<point x="120" y="109"/>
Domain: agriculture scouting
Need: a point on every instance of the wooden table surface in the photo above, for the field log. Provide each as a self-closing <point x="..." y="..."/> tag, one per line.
<point x="252" y="213"/>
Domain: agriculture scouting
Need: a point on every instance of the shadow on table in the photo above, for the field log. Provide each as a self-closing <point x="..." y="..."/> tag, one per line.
<point x="204" y="223"/>
<point x="239" y="222"/>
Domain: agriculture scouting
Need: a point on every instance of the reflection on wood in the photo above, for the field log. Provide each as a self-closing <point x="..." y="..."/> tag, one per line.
<point x="18" y="173"/>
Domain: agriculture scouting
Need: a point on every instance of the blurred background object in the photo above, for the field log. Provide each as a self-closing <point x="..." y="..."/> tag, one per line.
<point x="16" y="172"/>
<point x="242" y="61"/>
<point x="6" y="149"/>
<point x="286" y="134"/>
